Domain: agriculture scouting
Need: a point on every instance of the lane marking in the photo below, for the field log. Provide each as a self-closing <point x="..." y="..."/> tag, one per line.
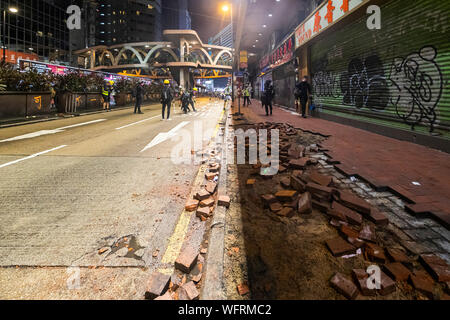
<point x="48" y="132"/>
<point x="164" y="136"/>
<point x="135" y="123"/>
<point x="32" y="156"/>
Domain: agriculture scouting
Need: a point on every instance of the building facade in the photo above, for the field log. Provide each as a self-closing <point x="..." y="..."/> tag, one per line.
<point x="176" y="15"/>
<point x="120" y="21"/>
<point x="224" y="38"/>
<point x="37" y="29"/>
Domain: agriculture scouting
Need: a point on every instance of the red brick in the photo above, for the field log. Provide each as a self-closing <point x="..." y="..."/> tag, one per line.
<point x="305" y="204"/>
<point x="368" y="233"/>
<point x="359" y="274"/>
<point x="344" y="286"/>
<point x="322" y="207"/>
<point x="397" y="255"/>
<point x="202" y="195"/>
<point x="157" y="285"/>
<point x="297" y="184"/>
<point x="214" y="167"/>
<point x="224" y="201"/>
<point x="276" y="207"/>
<point x="251" y="182"/>
<point x="354" y="202"/>
<point x="286" y="212"/>
<point x="358" y="243"/>
<point x="397" y="271"/>
<point x="320" y="179"/>
<point x="422" y="284"/>
<point x="436" y="266"/>
<point x="268" y="199"/>
<point x="349" y="232"/>
<point x="210" y="176"/>
<point x="191" y="205"/>
<point x="286" y="195"/>
<point x="188" y="292"/>
<point x="285" y="182"/>
<point x="243" y="289"/>
<point x="210" y="202"/>
<point x="374" y="253"/>
<point x="318" y="189"/>
<point x="211" y="187"/>
<point x="352" y="216"/>
<point x="299" y="163"/>
<point x="361" y="277"/>
<point x="336" y="215"/>
<point x="204" y="212"/>
<point x="387" y="285"/>
<point x="296" y="151"/>
<point x="339" y="247"/>
<point x="166" y="297"/>
<point x="377" y="217"/>
<point x="187" y="260"/>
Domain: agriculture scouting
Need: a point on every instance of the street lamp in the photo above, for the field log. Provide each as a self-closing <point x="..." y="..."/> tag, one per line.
<point x="10" y="10"/>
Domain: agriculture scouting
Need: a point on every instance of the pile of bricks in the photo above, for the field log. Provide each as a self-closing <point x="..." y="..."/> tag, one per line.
<point x="355" y="219"/>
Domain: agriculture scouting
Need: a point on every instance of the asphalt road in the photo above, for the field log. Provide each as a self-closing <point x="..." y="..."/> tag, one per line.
<point x="71" y="187"/>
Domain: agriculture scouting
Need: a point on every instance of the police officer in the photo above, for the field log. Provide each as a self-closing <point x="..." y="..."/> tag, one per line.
<point x="139" y="92"/>
<point x="192" y="98"/>
<point x="166" y="99"/>
<point x="267" y="97"/>
<point x="106" y="95"/>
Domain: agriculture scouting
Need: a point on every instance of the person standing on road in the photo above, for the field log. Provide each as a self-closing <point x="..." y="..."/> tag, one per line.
<point x="166" y="99"/>
<point x="106" y="95"/>
<point x="139" y="92"/>
<point x="226" y="96"/>
<point x="247" y="96"/>
<point x="302" y="92"/>
<point x="192" y="98"/>
<point x="267" y="97"/>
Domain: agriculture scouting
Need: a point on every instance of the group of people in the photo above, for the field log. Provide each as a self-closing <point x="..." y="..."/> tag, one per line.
<point x="168" y="95"/>
<point x="302" y="92"/>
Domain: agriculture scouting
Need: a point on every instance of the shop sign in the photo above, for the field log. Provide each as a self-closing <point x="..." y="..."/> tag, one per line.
<point x="14" y="56"/>
<point x="325" y="16"/>
<point x="281" y="55"/>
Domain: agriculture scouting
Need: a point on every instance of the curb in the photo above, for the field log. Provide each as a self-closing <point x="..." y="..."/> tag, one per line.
<point x="213" y="286"/>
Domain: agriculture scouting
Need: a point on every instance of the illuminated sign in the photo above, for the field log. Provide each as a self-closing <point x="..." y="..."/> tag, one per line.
<point x="325" y="16"/>
<point x="281" y="55"/>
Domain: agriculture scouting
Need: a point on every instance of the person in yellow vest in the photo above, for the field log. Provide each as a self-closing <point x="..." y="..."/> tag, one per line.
<point x="106" y="95"/>
<point x="246" y="93"/>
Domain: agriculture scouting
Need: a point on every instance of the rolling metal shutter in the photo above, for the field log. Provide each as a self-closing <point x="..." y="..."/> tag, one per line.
<point x="398" y="76"/>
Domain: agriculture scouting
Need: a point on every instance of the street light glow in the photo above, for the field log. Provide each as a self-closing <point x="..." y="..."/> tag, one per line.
<point x="13" y="10"/>
<point x="225" y="8"/>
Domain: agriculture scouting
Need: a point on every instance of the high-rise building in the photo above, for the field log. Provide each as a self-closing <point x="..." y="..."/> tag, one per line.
<point x="176" y="15"/>
<point x="224" y="38"/>
<point x="38" y="28"/>
<point x="124" y="21"/>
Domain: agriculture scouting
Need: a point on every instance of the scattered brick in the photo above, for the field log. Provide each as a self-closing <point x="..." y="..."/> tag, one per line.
<point x="378" y="217"/>
<point x="305" y="204"/>
<point x="351" y="216"/>
<point x="268" y="199"/>
<point x="157" y="285"/>
<point x="349" y="232"/>
<point x="374" y="253"/>
<point x="166" y="297"/>
<point x="191" y="205"/>
<point x="286" y="212"/>
<point x="188" y="292"/>
<point x="202" y="195"/>
<point x="243" y="289"/>
<point x="186" y="260"/>
<point x="368" y="233"/>
<point x="285" y="182"/>
<point x="203" y="212"/>
<point x="211" y="187"/>
<point x="276" y="207"/>
<point x="297" y="184"/>
<point x="214" y="167"/>
<point x="299" y="163"/>
<point x="322" y="207"/>
<point x="387" y="285"/>
<point x="344" y="286"/>
<point x="397" y="271"/>
<point x="358" y="243"/>
<point x="175" y="282"/>
<point x="437" y="267"/>
<point x="296" y="151"/>
<point x="339" y="247"/>
<point x="208" y="202"/>
<point x="397" y="255"/>
<point x="335" y="215"/>
<point x="103" y="250"/>
<point x="320" y="179"/>
<point x="224" y="201"/>
<point x="251" y="182"/>
<point x="359" y="274"/>
<point x="286" y="195"/>
<point x="211" y="176"/>
<point x="354" y="202"/>
<point x="361" y="277"/>
<point x="423" y="284"/>
<point x="297" y="173"/>
<point x="282" y="169"/>
<point x="318" y="189"/>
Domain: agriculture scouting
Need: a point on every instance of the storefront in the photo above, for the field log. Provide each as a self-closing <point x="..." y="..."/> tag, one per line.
<point x="393" y="78"/>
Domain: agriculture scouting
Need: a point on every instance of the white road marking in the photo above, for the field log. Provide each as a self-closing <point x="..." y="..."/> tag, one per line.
<point x="160" y="138"/>
<point x="135" y="123"/>
<point x="32" y="156"/>
<point x="47" y="132"/>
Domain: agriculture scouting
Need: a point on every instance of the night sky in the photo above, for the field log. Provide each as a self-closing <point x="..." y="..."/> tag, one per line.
<point x="207" y="19"/>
